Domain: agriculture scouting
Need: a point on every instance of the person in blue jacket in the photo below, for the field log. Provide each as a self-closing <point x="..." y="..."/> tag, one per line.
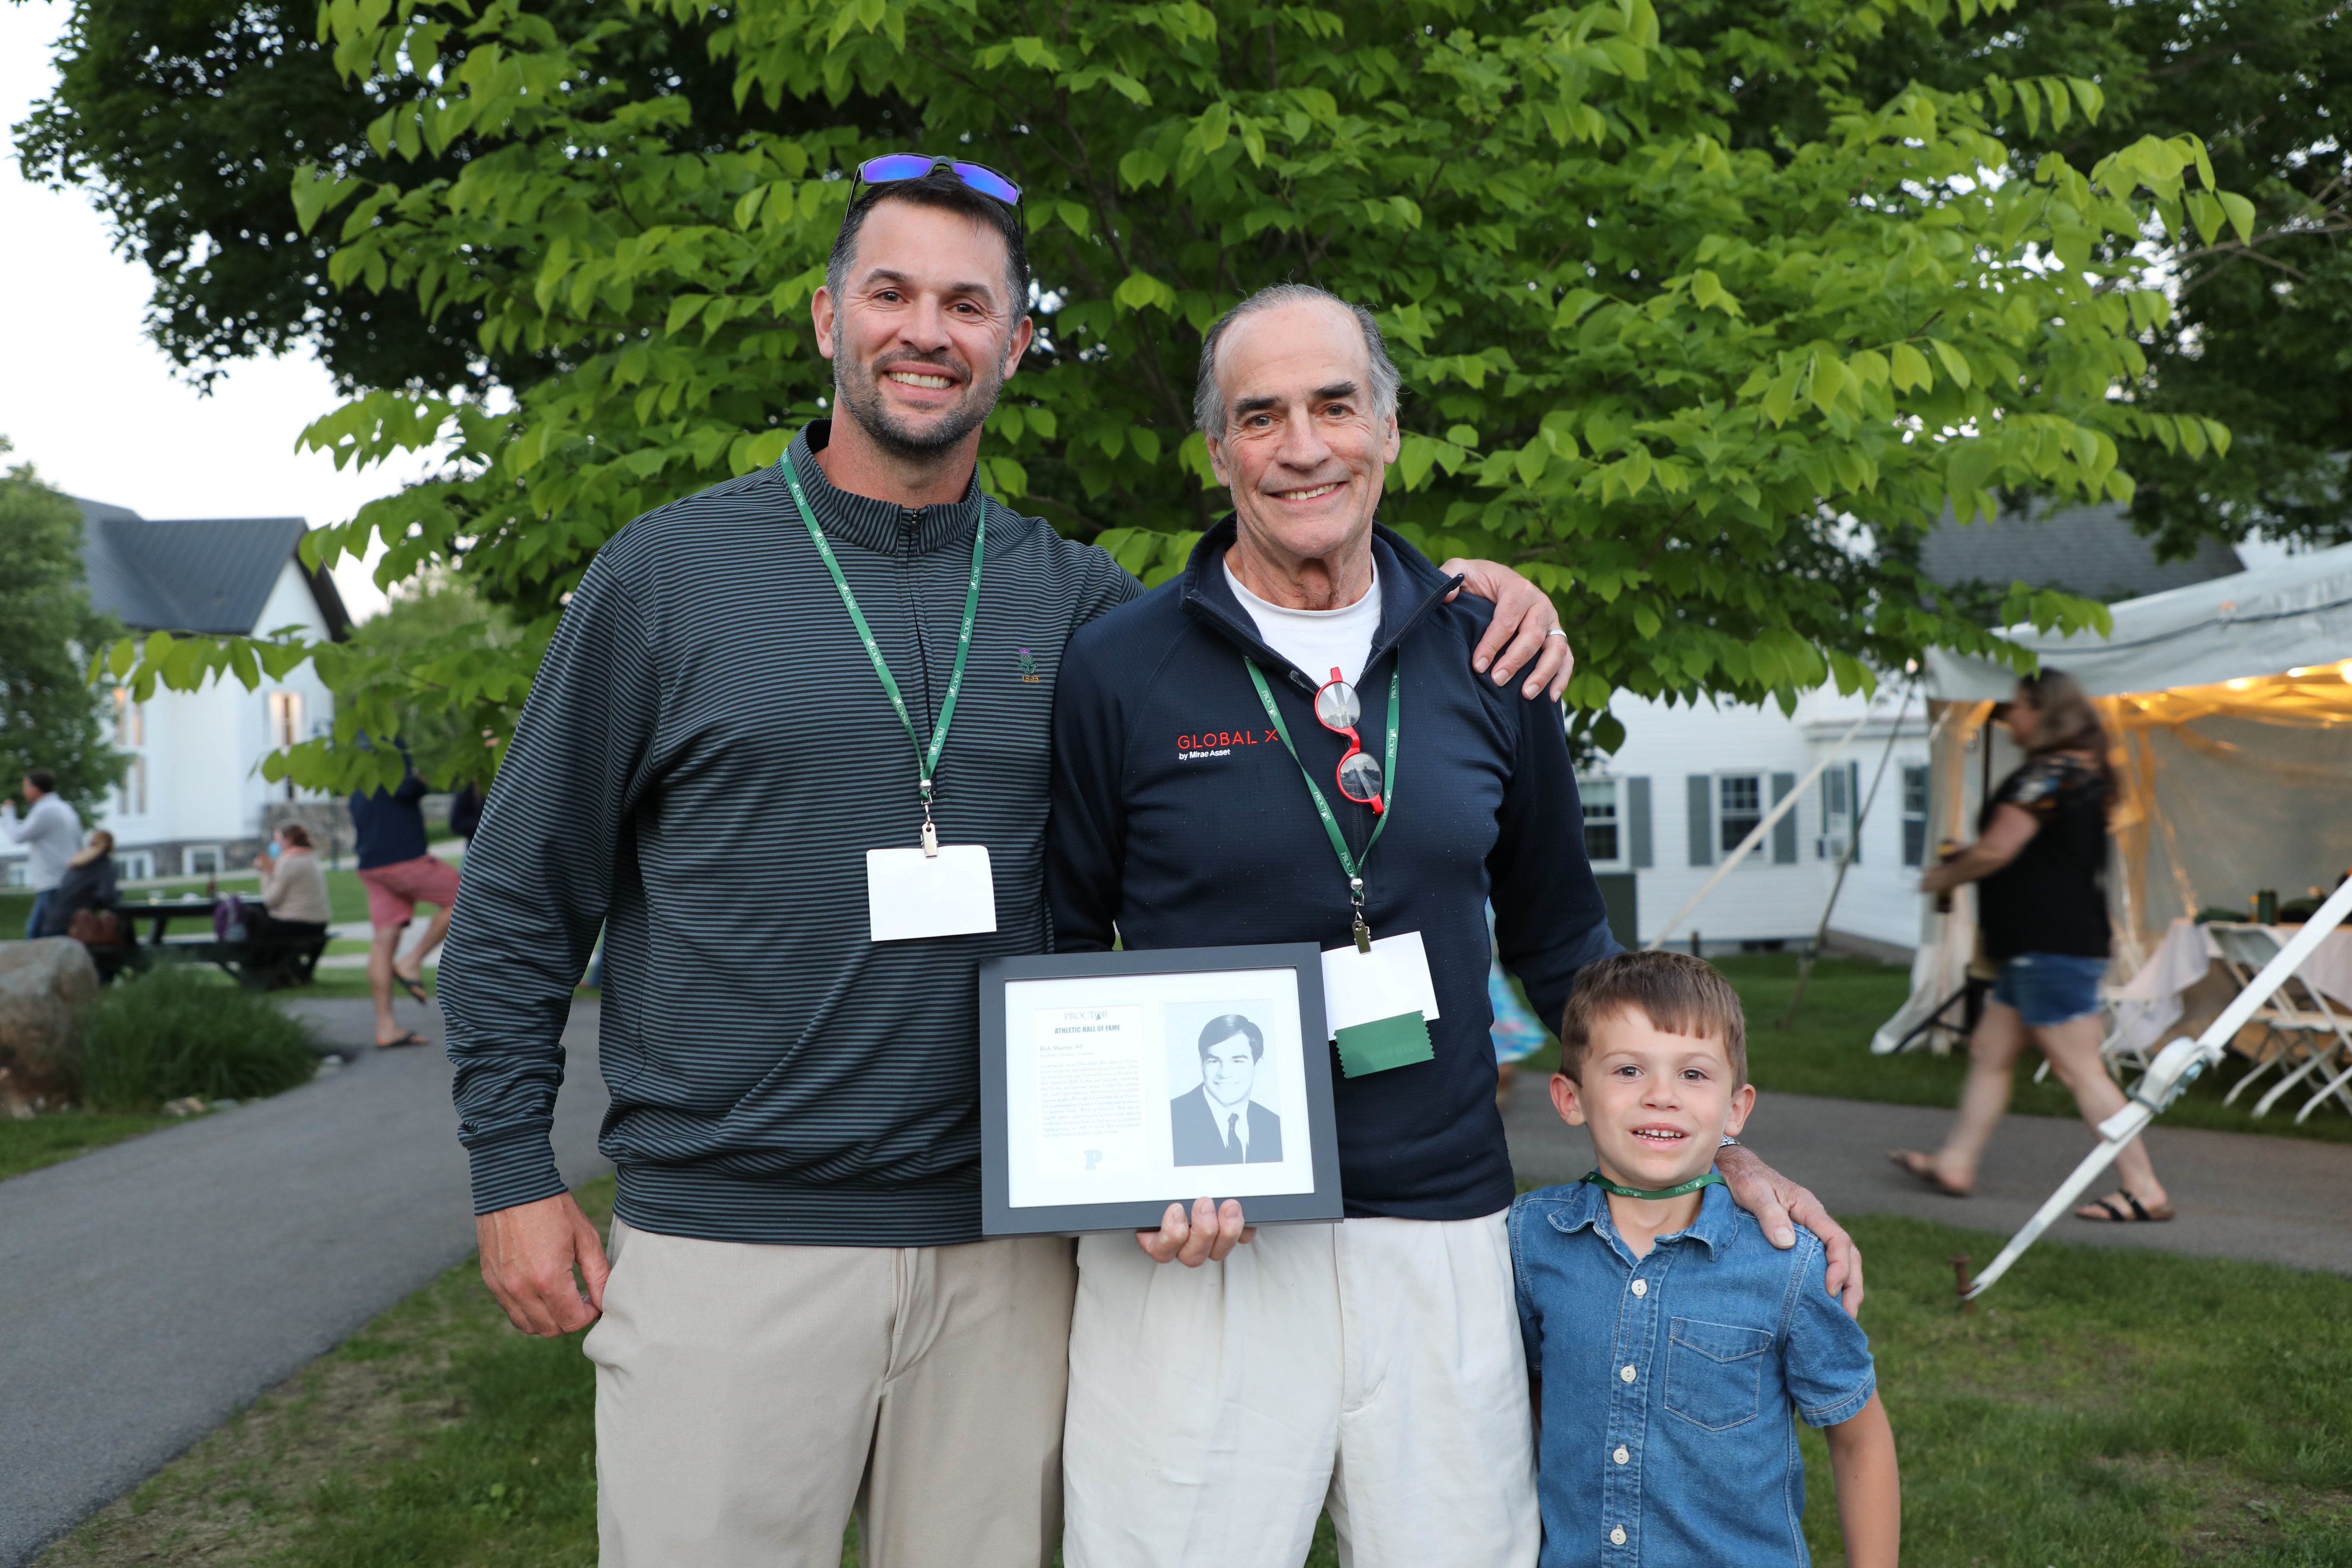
<point x="1288" y="743"/>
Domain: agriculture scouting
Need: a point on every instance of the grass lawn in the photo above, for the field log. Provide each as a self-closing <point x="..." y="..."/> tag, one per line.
<point x="45" y="1140"/>
<point x="1827" y="1051"/>
<point x="2103" y="1408"/>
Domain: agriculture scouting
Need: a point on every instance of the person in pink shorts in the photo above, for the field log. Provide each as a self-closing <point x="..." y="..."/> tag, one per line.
<point x="399" y="873"/>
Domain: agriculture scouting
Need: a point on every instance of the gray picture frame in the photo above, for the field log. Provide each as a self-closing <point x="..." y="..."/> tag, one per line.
<point x="997" y="1215"/>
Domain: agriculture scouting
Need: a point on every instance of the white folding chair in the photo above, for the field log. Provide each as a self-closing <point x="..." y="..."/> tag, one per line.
<point x="2309" y="1035"/>
<point x="2340" y="1086"/>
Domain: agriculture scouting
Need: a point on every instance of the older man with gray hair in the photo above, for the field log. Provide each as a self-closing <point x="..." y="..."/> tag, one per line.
<point x="1372" y="1367"/>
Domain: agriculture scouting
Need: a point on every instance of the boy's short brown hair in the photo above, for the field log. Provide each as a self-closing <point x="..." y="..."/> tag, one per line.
<point x="1675" y="992"/>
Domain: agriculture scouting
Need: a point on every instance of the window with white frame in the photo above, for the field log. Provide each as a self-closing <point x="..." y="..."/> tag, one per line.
<point x="1604" y="827"/>
<point x="19" y="874"/>
<point x="1738" y="807"/>
<point x="1915" y="815"/>
<point x="130" y="720"/>
<point x="284" y="717"/>
<point x="134" y="865"/>
<point x="204" y="860"/>
<point x="1837" y="815"/>
<point x="131" y="794"/>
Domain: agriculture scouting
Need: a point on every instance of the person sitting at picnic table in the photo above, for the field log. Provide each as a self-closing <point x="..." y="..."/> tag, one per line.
<point x="2039" y="861"/>
<point x="293" y="884"/>
<point x="88" y="884"/>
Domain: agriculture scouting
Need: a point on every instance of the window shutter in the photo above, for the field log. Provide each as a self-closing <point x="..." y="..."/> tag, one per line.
<point x="1854" y="793"/>
<point x="1784" y="832"/>
<point x="1702" y="819"/>
<point x="1637" y="824"/>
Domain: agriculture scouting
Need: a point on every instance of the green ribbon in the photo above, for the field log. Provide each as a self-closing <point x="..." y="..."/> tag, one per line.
<point x="1711" y="1179"/>
<point x="1349" y="863"/>
<point x="926" y="763"/>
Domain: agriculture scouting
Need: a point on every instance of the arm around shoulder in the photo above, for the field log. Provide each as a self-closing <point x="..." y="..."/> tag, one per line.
<point x="1549" y="921"/>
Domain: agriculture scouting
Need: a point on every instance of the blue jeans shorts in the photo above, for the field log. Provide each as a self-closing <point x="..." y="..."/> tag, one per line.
<point x="2049" y="988"/>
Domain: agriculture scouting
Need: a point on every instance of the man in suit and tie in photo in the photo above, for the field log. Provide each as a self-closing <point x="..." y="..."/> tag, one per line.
<point x="1218" y="1123"/>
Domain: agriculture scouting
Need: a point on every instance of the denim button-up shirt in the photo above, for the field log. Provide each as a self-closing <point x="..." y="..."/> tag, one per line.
<point x="1667" y="1383"/>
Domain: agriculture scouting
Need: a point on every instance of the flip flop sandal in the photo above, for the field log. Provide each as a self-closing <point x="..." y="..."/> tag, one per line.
<point x="413" y="987"/>
<point x="1914" y="1164"/>
<point x="2110" y="1215"/>
<point x="410" y="1038"/>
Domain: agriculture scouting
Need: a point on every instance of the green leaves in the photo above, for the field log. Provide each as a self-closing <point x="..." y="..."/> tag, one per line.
<point x="1675" y="373"/>
<point x="1141" y="290"/>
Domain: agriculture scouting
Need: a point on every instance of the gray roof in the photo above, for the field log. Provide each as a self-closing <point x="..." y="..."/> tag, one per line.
<point x="2086" y="550"/>
<point x="212" y="576"/>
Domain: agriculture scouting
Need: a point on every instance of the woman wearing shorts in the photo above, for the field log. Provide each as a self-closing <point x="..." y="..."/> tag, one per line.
<point x="2039" y="861"/>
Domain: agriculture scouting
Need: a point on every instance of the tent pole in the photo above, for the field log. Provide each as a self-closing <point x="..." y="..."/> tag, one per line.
<point x="1845" y="858"/>
<point x="1756" y="835"/>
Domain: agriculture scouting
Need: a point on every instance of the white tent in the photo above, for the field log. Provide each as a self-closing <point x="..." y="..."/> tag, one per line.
<point x="2232" y="704"/>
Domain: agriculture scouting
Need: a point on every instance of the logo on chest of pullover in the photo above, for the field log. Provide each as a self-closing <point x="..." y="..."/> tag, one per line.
<point x="1028" y="666"/>
<point x="1221" y="743"/>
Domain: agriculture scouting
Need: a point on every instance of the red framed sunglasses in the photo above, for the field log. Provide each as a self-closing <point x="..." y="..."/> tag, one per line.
<point x="1337" y="709"/>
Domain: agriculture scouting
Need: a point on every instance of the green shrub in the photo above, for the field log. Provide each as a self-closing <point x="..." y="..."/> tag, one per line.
<point x="180" y="1031"/>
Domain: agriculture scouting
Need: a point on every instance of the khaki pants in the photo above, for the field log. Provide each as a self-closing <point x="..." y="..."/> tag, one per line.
<point x="1374" y="1368"/>
<point x="749" y="1397"/>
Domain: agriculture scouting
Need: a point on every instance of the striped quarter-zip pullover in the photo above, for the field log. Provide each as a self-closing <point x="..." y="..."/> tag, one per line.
<point x="705" y="760"/>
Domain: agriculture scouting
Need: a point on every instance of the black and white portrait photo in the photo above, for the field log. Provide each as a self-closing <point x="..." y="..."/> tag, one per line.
<point x="1219" y="1123"/>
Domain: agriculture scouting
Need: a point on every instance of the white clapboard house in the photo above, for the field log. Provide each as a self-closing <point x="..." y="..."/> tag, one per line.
<point x="1690" y="783"/>
<point x="194" y="801"/>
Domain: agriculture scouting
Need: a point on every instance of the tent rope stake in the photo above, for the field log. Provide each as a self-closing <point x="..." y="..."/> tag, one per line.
<point x="2174" y="1069"/>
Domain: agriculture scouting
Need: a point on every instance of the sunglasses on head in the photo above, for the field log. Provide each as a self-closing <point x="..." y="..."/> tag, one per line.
<point x="892" y="167"/>
<point x="1337" y="707"/>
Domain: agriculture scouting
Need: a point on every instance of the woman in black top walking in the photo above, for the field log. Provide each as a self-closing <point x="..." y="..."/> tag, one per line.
<point x="2040" y="861"/>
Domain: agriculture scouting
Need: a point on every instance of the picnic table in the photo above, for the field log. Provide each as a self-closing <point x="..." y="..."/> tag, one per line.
<point x="267" y="962"/>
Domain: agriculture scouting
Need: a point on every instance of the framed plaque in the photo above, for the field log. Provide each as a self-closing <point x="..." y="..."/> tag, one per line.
<point x="1113" y="1084"/>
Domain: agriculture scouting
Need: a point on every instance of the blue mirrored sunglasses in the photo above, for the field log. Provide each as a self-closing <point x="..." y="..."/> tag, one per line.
<point x="893" y="167"/>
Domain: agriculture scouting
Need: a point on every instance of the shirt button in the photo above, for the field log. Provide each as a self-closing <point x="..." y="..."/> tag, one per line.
<point x="1620" y="1456"/>
<point x="1641" y="1286"/>
<point x="1625" y="1372"/>
<point x="1617" y="1536"/>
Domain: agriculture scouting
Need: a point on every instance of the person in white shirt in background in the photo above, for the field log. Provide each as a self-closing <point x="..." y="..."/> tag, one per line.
<point x="293" y="884"/>
<point x="51" y="834"/>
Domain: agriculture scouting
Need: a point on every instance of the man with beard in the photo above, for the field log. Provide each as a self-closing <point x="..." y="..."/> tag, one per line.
<point x="790" y="749"/>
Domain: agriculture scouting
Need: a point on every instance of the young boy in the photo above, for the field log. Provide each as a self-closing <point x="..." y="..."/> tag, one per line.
<point x="1667" y="1338"/>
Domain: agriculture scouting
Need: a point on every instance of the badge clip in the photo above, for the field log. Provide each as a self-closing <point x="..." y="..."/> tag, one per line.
<point x="930" y="833"/>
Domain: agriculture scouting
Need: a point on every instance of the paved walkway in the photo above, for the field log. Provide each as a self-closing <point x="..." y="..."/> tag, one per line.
<point x="149" y="1290"/>
<point x="2273" y="1200"/>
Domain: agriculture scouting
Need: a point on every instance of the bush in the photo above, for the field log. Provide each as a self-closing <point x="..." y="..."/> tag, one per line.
<point x="180" y="1031"/>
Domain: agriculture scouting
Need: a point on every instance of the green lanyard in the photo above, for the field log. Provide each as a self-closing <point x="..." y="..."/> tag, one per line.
<point x="1348" y="863"/>
<point x="1711" y="1179"/>
<point x="926" y="763"/>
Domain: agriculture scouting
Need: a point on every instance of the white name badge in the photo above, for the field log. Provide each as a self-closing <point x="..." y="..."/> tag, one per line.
<point x="1393" y="978"/>
<point x="910" y="895"/>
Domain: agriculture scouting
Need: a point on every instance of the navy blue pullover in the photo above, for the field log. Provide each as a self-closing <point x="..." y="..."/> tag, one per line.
<point x="388" y="826"/>
<point x="1179" y="818"/>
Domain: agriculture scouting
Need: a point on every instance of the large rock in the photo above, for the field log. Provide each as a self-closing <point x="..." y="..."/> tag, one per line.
<point x="42" y="983"/>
